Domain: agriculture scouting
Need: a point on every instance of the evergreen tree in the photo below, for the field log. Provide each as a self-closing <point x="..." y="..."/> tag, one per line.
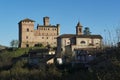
<point x="87" y="31"/>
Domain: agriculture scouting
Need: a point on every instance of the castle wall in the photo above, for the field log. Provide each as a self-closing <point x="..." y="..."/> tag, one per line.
<point x="45" y="34"/>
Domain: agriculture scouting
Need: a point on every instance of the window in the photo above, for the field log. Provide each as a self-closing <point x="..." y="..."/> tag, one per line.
<point x="79" y="29"/>
<point x="27" y="45"/>
<point x="91" y="44"/>
<point x="61" y="49"/>
<point x="68" y="42"/>
<point x="26" y="37"/>
<point x="47" y="37"/>
<point x="27" y="29"/>
<point x="82" y="42"/>
<point x="97" y="43"/>
<point x="42" y="37"/>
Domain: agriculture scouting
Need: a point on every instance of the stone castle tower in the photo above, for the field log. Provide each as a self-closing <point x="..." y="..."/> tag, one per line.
<point x="45" y="34"/>
<point x="79" y="29"/>
<point x="46" y="21"/>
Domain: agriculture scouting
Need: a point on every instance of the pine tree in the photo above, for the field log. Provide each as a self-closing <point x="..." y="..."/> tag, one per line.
<point x="87" y="31"/>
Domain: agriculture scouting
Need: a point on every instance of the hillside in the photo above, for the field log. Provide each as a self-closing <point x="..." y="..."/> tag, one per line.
<point x="2" y="47"/>
<point x="105" y="67"/>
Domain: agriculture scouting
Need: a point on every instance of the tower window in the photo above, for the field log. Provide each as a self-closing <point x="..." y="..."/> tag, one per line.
<point x="26" y="37"/>
<point x="27" y="45"/>
<point x="79" y="29"/>
<point x="54" y="42"/>
<point x="27" y="29"/>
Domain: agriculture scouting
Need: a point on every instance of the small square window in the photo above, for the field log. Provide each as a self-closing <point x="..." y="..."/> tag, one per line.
<point x="27" y="29"/>
<point x="26" y="37"/>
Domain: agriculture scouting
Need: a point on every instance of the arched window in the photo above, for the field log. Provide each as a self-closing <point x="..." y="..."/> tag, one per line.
<point x="82" y="42"/>
<point x="79" y="29"/>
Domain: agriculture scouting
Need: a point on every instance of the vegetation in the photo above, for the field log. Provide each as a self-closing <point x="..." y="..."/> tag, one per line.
<point x="14" y="67"/>
<point x="105" y="67"/>
<point x="87" y="31"/>
<point x="14" y="43"/>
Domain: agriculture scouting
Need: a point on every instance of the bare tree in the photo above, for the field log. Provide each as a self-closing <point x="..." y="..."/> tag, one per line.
<point x="14" y="43"/>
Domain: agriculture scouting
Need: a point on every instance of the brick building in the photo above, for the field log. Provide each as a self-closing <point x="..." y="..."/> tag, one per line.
<point x="45" y="34"/>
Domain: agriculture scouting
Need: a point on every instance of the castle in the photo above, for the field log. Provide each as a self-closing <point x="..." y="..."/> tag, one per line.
<point x="45" y="34"/>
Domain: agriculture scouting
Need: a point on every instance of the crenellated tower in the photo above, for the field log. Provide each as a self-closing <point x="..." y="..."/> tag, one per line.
<point x="46" y="21"/>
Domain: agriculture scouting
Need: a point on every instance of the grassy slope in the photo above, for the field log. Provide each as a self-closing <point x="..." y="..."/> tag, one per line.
<point x="106" y="67"/>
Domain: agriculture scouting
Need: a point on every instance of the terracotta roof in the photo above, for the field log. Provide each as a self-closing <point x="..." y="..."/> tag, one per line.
<point x="27" y="20"/>
<point x="79" y="36"/>
<point x="89" y="36"/>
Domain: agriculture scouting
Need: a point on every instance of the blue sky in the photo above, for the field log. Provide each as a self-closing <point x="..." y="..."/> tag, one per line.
<point x="101" y="16"/>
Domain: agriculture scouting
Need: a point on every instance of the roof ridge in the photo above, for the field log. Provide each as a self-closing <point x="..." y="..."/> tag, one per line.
<point x="28" y="19"/>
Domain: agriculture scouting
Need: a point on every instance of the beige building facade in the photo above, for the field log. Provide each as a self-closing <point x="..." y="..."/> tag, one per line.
<point x="67" y="43"/>
<point x="45" y="34"/>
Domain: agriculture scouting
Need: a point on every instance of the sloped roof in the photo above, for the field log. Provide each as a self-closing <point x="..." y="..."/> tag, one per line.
<point x="79" y="24"/>
<point x="89" y="36"/>
<point x="27" y="20"/>
<point x="66" y="36"/>
<point x="79" y="36"/>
